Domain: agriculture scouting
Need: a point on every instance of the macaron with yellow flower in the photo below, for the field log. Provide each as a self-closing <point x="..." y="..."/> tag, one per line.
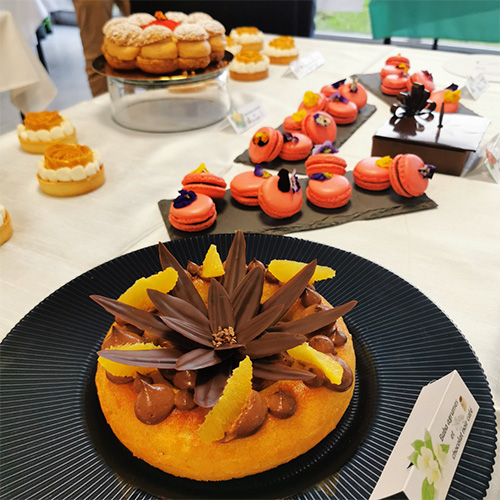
<point x="265" y="145"/>
<point x="281" y="50"/>
<point x="249" y="66"/>
<point x="201" y="181"/>
<point x="313" y="102"/>
<point x="373" y="173"/>
<point x="293" y="123"/>
<point x="448" y="98"/>
<point x="245" y="186"/>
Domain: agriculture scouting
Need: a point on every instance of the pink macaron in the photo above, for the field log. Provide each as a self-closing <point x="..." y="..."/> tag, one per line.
<point x="201" y="181"/>
<point x="395" y="64"/>
<point x="373" y="173"/>
<point x="293" y="123"/>
<point x="423" y="77"/>
<point x="409" y="175"/>
<point x="354" y="92"/>
<point x="265" y="145"/>
<point x="325" y="163"/>
<point x="329" y="191"/>
<point x="448" y="98"/>
<point x="394" y="84"/>
<point x="296" y="147"/>
<point x="192" y="212"/>
<point x="319" y="127"/>
<point x="342" y="110"/>
<point x="280" y="196"/>
<point x="312" y="102"/>
<point x="245" y="186"/>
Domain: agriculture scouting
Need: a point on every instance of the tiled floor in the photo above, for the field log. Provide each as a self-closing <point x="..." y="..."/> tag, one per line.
<point x="66" y="65"/>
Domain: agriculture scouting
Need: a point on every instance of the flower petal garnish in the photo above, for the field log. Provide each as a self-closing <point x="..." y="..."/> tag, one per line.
<point x="322" y="120"/>
<point x="294" y="182"/>
<point x="321" y="176"/>
<point x="384" y="162"/>
<point x="336" y="85"/>
<point x="339" y="98"/>
<point x="201" y="169"/>
<point x="287" y="137"/>
<point x="428" y="171"/>
<point x="452" y="96"/>
<point x="260" y="138"/>
<point x="298" y="116"/>
<point x="310" y="99"/>
<point x="184" y="199"/>
<point x="452" y="87"/>
<point x="326" y="147"/>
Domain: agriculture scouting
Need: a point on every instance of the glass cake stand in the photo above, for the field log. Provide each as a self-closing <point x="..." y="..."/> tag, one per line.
<point x="167" y="103"/>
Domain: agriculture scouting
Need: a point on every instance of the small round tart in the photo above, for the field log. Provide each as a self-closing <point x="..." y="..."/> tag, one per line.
<point x="246" y="428"/>
<point x="5" y="225"/>
<point x="70" y="170"/>
<point x="249" y="66"/>
<point x="281" y="50"/>
<point x="193" y="46"/>
<point x="249" y="37"/>
<point x="43" y="129"/>
<point x="158" y="52"/>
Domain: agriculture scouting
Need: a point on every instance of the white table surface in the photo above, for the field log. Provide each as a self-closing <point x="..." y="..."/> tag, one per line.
<point x="451" y="253"/>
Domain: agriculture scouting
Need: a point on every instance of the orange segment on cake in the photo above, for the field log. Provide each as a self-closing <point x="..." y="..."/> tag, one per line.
<point x="248" y="66"/>
<point x="43" y="129"/>
<point x="281" y="50"/>
<point x="70" y="170"/>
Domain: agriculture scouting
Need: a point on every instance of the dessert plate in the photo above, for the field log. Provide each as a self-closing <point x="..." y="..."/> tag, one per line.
<point x="56" y="443"/>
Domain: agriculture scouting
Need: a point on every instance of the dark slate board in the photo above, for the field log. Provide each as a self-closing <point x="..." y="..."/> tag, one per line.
<point x="343" y="133"/>
<point x="364" y="205"/>
<point x="371" y="82"/>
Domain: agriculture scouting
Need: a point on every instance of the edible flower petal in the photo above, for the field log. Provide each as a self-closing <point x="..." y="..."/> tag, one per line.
<point x="294" y="182"/>
<point x="428" y="75"/>
<point x="260" y="138"/>
<point x="336" y="85"/>
<point x="184" y="199"/>
<point x="403" y="67"/>
<point x="339" y="98"/>
<point x="452" y="87"/>
<point x="321" y="176"/>
<point x="311" y="99"/>
<point x="326" y="147"/>
<point x="287" y="137"/>
<point x="428" y="171"/>
<point x="201" y="169"/>
<point x="384" y="162"/>
<point x="322" y="120"/>
<point x="299" y="115"/>
<point x="258" y="171"/>
<point x="452" y="96"/>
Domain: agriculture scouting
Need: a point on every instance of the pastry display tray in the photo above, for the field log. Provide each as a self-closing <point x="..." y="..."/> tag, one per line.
<point x="56" y="443"/>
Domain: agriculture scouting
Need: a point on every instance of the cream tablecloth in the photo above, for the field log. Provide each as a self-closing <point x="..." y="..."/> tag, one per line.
<point x="451" y="254"/>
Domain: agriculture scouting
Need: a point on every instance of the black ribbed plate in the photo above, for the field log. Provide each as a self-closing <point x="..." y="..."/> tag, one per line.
<point x="56" y="444"/>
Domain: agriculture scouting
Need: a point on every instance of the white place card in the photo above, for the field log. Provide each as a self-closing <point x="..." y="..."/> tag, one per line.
<point x="302" y="66"/>
<point x="476" y="85"/>
<point x="425" y="457"/>
<point x="492" y="158"/>
<point x="245" y="117"/>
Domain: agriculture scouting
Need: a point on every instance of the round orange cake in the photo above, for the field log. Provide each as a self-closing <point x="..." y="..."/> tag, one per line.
<point x="279" y="420"/>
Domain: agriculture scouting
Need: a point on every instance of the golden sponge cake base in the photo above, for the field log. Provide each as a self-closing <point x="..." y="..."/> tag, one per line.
<point x="174" y="446"/>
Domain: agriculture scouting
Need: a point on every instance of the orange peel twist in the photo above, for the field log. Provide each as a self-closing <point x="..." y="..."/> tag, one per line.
<point x="43" y="120"/>
<point x="67" y="155"/>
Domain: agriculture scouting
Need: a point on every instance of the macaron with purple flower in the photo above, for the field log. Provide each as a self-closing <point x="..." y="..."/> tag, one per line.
<point x="342" y="110"/>
<point x="245" y="186"/>
<point x="280" y="196"/>
<point x="324" y="160"/>
<point x="319" y="127"/>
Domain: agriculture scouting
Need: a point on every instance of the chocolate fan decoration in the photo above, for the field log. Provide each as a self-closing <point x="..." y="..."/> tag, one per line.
<point x="213" y="340"/>
<point x="413" y="104"/>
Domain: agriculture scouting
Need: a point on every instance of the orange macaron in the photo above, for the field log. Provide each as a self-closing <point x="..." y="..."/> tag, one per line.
<point x="312" y="102"/>
<point x="265" y="145"/>
<point x="409" y="175"/>
<point x="192" y="212"/>
<point x="325" y="163"/>
<point x="296" y="147"/>
<point x="354" y="92"/>
<point x="201" y="181"/>
<point x="394" y="84"/>
<point x="423" y="77"/>
<point x="293" y="123"/>
<point x="342" y="110"/>
<point x="449" y="98"/>
<point x="319" y="127"/>
<point x="373" y="173"/>
<point x="328" y="190"/>
<point x="245" y="186"/>
<point x="280" y="196"/>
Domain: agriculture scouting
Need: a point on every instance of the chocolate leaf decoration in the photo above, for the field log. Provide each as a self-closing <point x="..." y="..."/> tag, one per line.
<point x="254" y="327"/>
<point x="278" y="371"/>
<point x="119" y="337"/>
<point x="314" y="321"/>
<point x="220" y="310"/>
<point x="210" y="384"/>
<point x="137" y="317"/>
<point x="198" y="359"/>
<point x="413" y="103"/>
<point x="189" y="330"/>
<point x="157" y="358"/>
<point x="235" y="267"/>
<point x="272" y="343"/>
<point x="246" y="297"/>
<point x="184" y="288"/>
<point x="175" y="307"/>
<point x="291" y="290"/>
